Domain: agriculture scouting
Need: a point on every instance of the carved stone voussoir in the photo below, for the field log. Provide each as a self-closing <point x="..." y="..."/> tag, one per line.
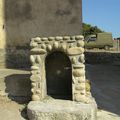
<point x="35" y="97"/>
<point x="33" y="44"/>
<point x="37" y="51"/>
<point x="79" y="66"/>
<point x="66" y="38"/>
<point x="32" y="59"/>
<point x="35" y="78"/>
<point x="33" y="84"/>
<point x="81" y="98"/>
<point x="37" y="39"/>
<point x="82" y="58"/>
<point x="51" y="38"/>
<point x="44" y="39"/>
<point x="79" y="37"/>
<point x="34" y="67"/>
<point x="49" y="47"/>
<point x="75" y="51"/>
<point x="80" y="86"/>
<point x="74" y="60"/>
<point x="38" y="59"/>
<point x="80" y="43"/>
<point x="56" y="45"/>
<point x="71" y="41"/>
<point x="78" y="72"/>
<point x="58" y="38"/>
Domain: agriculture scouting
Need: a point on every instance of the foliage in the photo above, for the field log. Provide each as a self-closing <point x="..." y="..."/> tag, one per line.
<point x="89" y="29"/>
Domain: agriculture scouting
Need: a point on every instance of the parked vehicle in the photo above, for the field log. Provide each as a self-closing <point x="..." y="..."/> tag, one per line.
<point x="100" y="40"/>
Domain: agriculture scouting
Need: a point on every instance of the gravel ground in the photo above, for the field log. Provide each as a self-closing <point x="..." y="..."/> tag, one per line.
<point x="105" y="81"/>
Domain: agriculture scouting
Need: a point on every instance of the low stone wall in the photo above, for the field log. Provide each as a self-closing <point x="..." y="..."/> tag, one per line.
<point x="20" y="58"/>
<point x="13" y="58"/>
<point x="102" y="57"/>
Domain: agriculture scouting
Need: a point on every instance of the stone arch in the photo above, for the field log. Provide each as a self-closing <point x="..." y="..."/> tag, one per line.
<point x="73" y="47"/>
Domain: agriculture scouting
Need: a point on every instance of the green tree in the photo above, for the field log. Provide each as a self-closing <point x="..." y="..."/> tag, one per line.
<point x="89" y="29"/>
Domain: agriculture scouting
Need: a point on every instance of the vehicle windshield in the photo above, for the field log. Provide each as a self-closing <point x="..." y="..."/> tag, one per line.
<point x="90" y="38"/>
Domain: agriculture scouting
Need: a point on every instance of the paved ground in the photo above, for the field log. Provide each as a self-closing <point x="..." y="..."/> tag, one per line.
<point x="10" y="110"/>
<point x="105" y="80"/>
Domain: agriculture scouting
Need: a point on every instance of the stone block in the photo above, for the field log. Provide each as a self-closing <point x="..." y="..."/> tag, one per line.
<point x="61" y="110"/>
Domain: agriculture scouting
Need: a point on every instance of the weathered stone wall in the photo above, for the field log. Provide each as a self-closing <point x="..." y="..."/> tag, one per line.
<point x="102" y="57"/>
<point x="24" y="19"/>
<point x="14" y="58"/>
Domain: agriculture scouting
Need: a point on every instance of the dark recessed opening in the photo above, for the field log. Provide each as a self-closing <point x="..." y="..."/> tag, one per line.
<point x="59" y="76"/>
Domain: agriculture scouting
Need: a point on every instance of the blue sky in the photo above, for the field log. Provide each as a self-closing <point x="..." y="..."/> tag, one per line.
<point x="103" y="13"/>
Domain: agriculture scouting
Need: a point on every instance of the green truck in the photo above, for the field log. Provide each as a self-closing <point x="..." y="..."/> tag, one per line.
<point x="100" y="40"/>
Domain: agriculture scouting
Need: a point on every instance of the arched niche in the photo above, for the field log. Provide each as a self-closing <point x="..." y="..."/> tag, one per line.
<point x="58" y="75"/>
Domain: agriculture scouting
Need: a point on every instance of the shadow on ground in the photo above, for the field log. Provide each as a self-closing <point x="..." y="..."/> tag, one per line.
<point x="18" y="87"/>
<point x="24" y="113"/>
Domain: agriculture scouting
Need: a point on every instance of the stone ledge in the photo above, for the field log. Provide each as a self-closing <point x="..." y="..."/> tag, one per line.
<point x="61" y="110"/>
<point x="102" y="57"/>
